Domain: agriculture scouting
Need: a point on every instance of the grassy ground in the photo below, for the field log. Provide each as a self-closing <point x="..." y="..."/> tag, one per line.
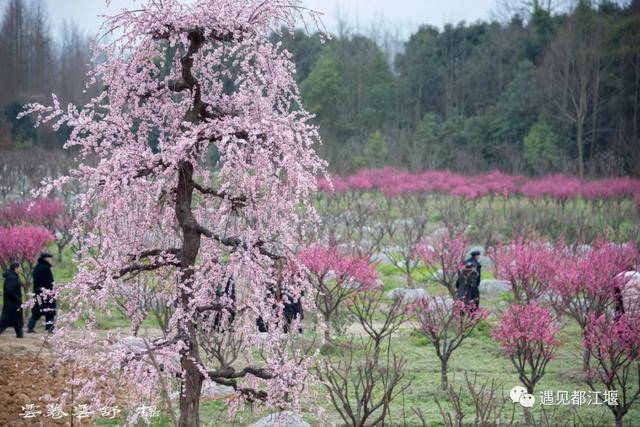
<point x="478" y="355"/>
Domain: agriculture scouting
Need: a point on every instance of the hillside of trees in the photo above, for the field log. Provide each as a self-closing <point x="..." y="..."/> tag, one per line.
<point x="541" y="90"/>
<point x="37" y="59"/>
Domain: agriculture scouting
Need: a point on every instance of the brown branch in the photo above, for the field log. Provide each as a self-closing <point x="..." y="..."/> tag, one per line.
<point x="156" y="252"/>
<point x="138" y="268"/>
<point x="237" y="201"/>
<point x="223" y="37"/>
<point x="235" y="242"/>
<point x="230" y="373"/>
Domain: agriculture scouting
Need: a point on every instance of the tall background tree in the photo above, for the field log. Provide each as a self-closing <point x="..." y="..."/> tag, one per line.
<point x="464" y="96"/>
<point x="36" y="60"/>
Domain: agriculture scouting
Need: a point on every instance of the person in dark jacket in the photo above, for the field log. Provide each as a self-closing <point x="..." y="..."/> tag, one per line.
<point x="43" y="279"/>
<point x="475" y="260"/>
<point x="291" y="310"/>
<point x="12" y="300"/>
<point x="223" y="323"/>
<point x="467" y="285"/>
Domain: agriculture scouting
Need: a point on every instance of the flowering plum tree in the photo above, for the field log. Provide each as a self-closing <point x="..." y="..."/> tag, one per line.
<point x="192" y="76"/>
<point x="23" y="244"/>
<point x="528" y="333"/>
<point x="587" y="281"/>
<point x="48" y="213"/>
<point x="446" y="324"/>
<point x="443" y="254"/>
<point x="528" y="267"/>
<point x="615" y="344"/>
<point x="336" y="278"/>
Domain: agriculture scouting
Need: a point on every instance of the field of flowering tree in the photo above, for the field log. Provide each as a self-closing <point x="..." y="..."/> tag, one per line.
<point x="265" y="290"/>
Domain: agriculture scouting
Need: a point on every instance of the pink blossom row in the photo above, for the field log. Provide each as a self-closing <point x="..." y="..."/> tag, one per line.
<point x="392" y="183"/>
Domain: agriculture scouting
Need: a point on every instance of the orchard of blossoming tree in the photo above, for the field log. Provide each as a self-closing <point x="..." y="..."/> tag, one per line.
<point x="207" y="268"/>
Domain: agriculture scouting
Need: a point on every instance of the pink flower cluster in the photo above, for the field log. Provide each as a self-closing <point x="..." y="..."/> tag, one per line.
<point x="620" y="336"/>
<point x="326" y="260"/>
<point x="527" y="327"/>
<point x="394" y="183"/>
<point x="49" y="213"/>
<point x="22" y="243"/>
<point x="593" y="272"/>
<point x="527" y="266"/>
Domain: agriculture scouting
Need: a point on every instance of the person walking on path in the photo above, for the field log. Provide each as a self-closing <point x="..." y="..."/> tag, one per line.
<point x="45" y="304"/>
<point x="12" y="300"/>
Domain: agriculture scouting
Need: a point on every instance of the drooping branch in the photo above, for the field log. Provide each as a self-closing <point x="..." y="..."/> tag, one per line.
<point x="156" y="345"/>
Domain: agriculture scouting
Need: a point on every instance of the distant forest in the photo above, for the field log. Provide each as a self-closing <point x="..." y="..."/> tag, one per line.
<point x="541" y="90"/>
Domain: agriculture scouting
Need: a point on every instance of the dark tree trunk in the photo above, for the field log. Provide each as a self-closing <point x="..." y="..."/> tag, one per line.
<point x="192" y="377"/>
<point x="444" y="378"/>
<point x="619" y="416"/>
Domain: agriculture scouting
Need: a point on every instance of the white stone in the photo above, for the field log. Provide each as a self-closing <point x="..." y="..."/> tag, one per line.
<point x="131" y="342"/>
<point x="214" y="390"/>
<point x="631" y="291"/>
<point x="494" y="286"/>
<point x="408" y="294"/>
<point x="283" y="419"/>
<point x="441" y="302"/>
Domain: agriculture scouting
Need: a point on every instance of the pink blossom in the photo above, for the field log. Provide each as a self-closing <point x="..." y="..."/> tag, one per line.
<point x="528" y="267"/>
<point x="614" y="338"/>
<point x="529" y="335"/>
<point x="588" y="280"/>
<point x="22" y="243"/>
<point x="197" y="75"/>
<point x="46" y="212"/>
<point x="615" y="344"/>
<point x="328" y="261"/>
<point x="527" y="326"/>
<point x="396" y="183"/>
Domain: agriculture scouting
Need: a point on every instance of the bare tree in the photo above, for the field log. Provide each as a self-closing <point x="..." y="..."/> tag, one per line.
<point x="488" y="399"/>
<point x="363" y="384"/>
<point x="572" y="72"/>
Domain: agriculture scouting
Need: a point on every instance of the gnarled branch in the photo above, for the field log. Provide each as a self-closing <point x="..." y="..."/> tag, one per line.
<point x="237" y="201"/>
<point x="138" y="268"/>
<point x="236" y="242"/>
